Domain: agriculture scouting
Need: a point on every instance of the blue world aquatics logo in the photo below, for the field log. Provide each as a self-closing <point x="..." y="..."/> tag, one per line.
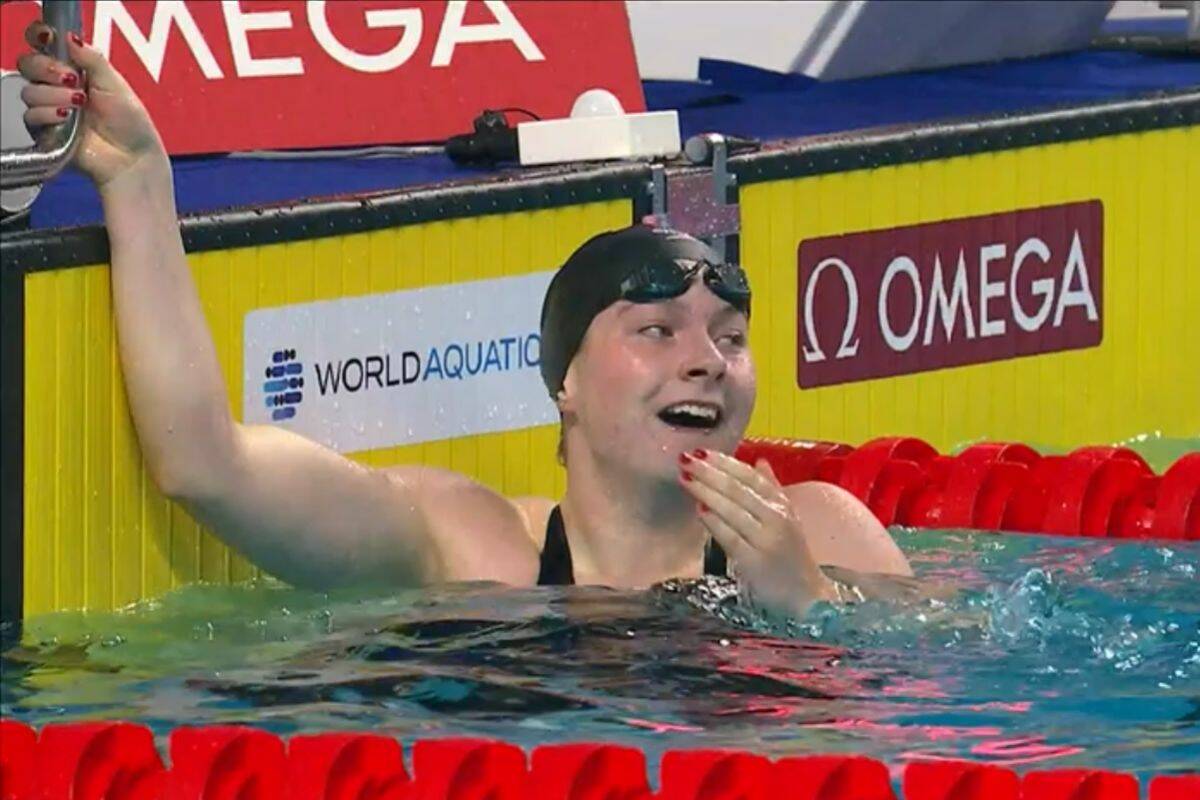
<point x="283" y="384"/>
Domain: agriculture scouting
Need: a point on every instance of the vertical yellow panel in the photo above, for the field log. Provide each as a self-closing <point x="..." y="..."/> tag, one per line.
<point x="1152" y="238"/>
<point x="156" y="539"/>
<point x="1121" y="312"/>
<point x="98" y="443"/>
<point x="1184" y="271"/>
<point x="41" y="435"/>
<point x="242" y="297"/>
<point x="1174" y="309"/>
<point x="70" y="499"/>
<point x="211" y="273"/>
<point x="185" y="532"/>
<point x="518" y="240"/>
<point x="437" y="271"/>
<point x="883" y="394"/>
<point x="908" y="390"/>
<point x="781" y="284"/>
<point x="381" y="277"/>
<point x="128" y="538"/>
<point x="957" y="177"/>
<point x="755" y="253"/>
<point x="491" y="260"/>
<point x="464" y="245"/>
<point x="1025" y="192"/>
<point x="1006" y="415"/>
<point x="931" y="405"/>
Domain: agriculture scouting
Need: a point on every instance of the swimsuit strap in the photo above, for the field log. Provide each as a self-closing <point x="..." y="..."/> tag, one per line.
<point x="556" y="568"/>
<point x="715" y="562"/>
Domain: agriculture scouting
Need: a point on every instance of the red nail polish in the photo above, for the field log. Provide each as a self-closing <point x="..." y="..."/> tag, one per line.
<point x="684" y="458"/>
<point x="63" y="112"/>
<point x="700" y="453"/>
<point x="74" y="37"/>
<point x="44" y="37"/>
<point x="79" y="98"/>
<point x="687" y="476"/>
<point x="703" y="508"/>
<point x="70" y="79"/>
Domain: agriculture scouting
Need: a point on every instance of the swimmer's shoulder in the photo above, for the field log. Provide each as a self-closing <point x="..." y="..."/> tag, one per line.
<point x="480" y="534"/>
<point x="842" y="532"/>
<point x="536" y="511"/>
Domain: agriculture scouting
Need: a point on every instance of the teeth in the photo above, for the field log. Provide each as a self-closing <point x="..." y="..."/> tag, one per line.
<point x="697" y="410"/>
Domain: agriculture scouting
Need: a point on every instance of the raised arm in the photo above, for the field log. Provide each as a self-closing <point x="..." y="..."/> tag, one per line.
<point x="295" y="508"/>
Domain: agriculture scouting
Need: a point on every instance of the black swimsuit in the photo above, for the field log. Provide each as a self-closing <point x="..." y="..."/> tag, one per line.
<point x="556" y="568"/>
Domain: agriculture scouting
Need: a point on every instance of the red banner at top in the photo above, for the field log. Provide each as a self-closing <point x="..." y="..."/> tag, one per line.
<point x="252" y="74"/>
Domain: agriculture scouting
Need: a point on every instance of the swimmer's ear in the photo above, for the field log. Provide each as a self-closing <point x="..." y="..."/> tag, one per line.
<point x="764" y="468"/>
<point x="565" y="399"/>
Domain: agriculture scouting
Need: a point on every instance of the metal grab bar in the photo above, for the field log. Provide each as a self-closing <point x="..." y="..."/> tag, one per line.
<point x="56" y="143"/>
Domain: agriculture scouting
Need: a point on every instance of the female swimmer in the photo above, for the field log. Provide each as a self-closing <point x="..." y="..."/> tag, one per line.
<point x="645" y="353"/>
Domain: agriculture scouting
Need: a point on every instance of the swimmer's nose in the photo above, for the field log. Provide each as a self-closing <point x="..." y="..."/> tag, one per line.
<point x="702" y="360"/>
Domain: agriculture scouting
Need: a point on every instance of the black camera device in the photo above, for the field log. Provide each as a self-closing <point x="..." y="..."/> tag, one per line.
<point x="493" y="141"/>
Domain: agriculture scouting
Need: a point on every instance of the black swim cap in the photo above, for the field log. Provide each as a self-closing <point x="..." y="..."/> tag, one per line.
<point x="637" y="263"/>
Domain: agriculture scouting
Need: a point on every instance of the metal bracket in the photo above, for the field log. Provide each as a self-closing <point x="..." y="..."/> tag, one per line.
<point x="701" y="203"/>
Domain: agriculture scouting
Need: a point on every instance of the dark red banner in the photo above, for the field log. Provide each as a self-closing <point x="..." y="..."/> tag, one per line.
<point x="945" y="294"/>
<point x="277" y="74"/>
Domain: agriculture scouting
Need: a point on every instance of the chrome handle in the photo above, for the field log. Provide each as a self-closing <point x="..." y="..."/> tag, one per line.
<point x="56" y="143"/>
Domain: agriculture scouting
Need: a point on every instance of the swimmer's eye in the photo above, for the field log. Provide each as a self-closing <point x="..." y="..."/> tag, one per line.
<point x="735" y="338"/>
<point x="656" y="331"/>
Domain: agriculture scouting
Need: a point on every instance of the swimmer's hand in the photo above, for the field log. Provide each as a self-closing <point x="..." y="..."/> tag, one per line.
<point x="748" y="512"/>
<point x="117" y="133"/>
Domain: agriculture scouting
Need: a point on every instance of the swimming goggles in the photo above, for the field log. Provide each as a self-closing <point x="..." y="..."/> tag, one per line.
<point x="668" y="278"/>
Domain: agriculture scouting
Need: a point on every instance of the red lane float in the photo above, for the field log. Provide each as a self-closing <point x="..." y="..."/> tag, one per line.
<point x="821" y="777"/>
<point x="1078" y="784"/>
<point x="226" y="762"/>
<point x="468" y="769"/>
<point x="346" y="766"/>
<point x="18" y="747"/>
<point x="695" y="774"/>
<point x="1178" y="507"/>
<point x="587" y="772"/>
<point x="959" y="780"/>
<point x="1175" y="787"/>
<point x="118" y="761"/>
<point x="1092" y="491"/>
<point x="98" y="761"/>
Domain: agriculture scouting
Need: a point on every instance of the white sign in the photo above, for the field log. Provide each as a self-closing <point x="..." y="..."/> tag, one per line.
<point x="363" y="373"/>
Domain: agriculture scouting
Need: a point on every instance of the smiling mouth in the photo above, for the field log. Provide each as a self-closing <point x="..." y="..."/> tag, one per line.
<point x="692" y="415"/>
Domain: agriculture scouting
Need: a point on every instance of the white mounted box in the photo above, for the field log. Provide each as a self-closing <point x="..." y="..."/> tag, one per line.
<point x="557" y="141"/>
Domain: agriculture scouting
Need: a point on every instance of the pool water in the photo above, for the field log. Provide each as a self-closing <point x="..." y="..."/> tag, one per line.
<point x="1048" y="652"/>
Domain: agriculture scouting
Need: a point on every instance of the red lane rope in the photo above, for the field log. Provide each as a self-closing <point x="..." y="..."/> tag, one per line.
<point x="118" y="761"/>
<point x="1093" y="491"/>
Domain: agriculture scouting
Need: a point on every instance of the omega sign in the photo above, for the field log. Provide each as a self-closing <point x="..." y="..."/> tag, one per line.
<point x="949" y="293"/>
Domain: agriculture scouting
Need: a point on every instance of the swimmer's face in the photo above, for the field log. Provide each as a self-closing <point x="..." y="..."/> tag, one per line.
<point x="653" y="380"/>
